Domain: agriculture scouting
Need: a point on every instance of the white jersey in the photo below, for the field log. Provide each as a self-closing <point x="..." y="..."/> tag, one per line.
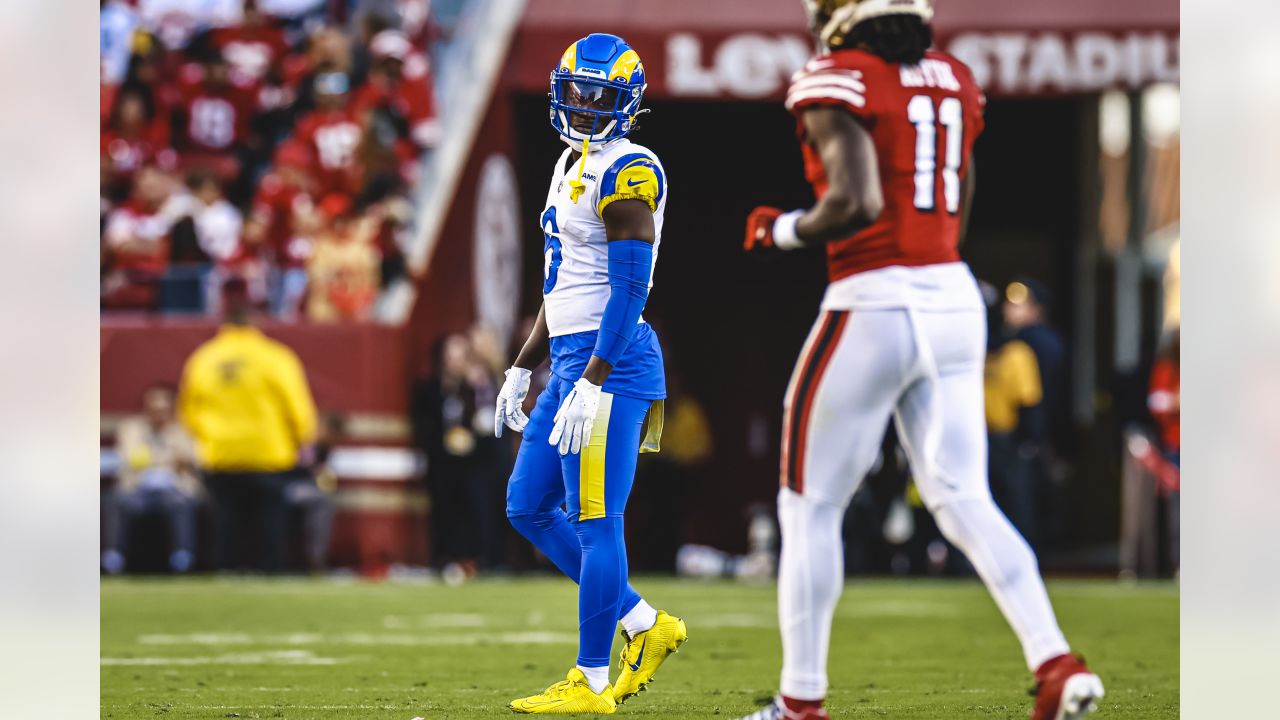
<point x="575" y="266"/>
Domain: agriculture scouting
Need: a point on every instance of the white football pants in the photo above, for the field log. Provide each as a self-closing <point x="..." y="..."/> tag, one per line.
<point x="924" y="369"/>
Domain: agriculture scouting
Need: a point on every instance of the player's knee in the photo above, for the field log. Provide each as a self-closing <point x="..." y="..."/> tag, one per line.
<point x="531" y="522"/>
<point x="806" y="512"/>
<point x="599" y="532"/>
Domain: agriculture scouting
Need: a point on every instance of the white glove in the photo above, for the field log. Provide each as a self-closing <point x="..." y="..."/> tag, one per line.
<point x="576" y="416"/>
<point x="511" y="401"/>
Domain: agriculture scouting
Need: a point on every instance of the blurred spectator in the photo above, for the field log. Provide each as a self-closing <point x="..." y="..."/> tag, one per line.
<point x="327" y="50"/>
<point x="280" y="228"/>
<point x="449" y="420"/>
<point x="343" y="269"/>
<point x="135" y="135"/>
<point x="176" y="22"/>
<point x="245" y="400"/>
<point x="1165" y="403"/>
<point x="136" y="242"/>
<point x="493" y="455"/>
<point x="214" y="114"/>
<point x="1013" y="394"/>
<point x="116" y="22"/>
<point x="157" y="475"/>
<point x="333" y="132"/>
<point x="214" y="88"/>
<point x="255" y="47"/>
<point x="216" y="222"/>
<point x="1026" y="318"/>
<point x="663" y="479"/>
<point x="310" y="491"/>
<point x="399" y="90"/>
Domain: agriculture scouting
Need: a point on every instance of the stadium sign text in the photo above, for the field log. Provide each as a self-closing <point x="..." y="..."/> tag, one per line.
<point x="1016" y="63"/>
<point x="755" y="65"/>
<point x="746" y="65"/>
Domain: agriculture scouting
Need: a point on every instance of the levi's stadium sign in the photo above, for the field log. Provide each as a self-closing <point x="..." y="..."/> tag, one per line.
<point x="751" y="66"/>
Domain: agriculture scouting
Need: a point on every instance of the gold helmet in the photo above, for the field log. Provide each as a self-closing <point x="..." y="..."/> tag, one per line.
<point x="832" y="20"/>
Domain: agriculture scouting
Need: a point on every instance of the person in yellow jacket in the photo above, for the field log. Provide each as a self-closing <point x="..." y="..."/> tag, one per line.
<point x="245" y="400"/>
<point x="1015" y="413"/>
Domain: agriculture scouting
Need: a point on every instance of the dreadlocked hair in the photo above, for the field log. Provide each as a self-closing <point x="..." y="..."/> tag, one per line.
<point x="895" y="38"/>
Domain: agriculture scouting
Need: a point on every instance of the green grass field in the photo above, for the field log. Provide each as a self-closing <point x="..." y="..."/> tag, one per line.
<point x="227" y="648"/>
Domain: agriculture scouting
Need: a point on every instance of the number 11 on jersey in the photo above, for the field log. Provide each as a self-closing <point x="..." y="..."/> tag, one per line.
<point x="950" y="115"/>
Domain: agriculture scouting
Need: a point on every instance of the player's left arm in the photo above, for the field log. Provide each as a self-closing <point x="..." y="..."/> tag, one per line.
<point x="628" y="226"/>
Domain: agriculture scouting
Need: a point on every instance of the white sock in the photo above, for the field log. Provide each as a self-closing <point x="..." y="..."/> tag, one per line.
<point x="1006" y="564"/>
<point x="639" y="618"/>
<point x="597" y="677"/>
<point x="810" y="579"/>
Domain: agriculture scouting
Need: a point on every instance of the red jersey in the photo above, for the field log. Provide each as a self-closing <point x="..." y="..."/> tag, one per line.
<point x="923" y="120"/>
<point x="413" y="97"/>
<point x="333" y="136"/>
<point x="1164" y="402"/>
<point x="217" y="118"/>
<point x="253" y="51"/>
<point x="123" y="154"/>
<point x="274" y="206"/>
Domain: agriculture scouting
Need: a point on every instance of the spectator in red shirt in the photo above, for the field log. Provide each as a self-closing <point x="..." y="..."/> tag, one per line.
<point x="215" y="113"/>
<point x="333" y="133"/>
<point x="282" y="222"/>
<point x="136" y="242"/>
<point x="400" y="83"/>
<point x="255" y="48"/>
<point x="135" y="135"/>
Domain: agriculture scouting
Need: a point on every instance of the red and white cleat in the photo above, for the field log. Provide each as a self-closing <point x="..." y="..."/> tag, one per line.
<point x="1065" y="689"/>
<point x="778" y="710"/>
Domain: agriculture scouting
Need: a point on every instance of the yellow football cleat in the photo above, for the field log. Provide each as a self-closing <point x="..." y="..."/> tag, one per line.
<point x="645" y="653"/>
<point x="571" y="695"/>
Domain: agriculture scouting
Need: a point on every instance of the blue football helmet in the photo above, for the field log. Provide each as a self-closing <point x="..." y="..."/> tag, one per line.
<point x="596" y="90"/>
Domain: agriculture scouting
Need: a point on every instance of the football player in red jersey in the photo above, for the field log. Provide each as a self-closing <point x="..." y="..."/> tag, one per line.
<point x="887" y="129"/>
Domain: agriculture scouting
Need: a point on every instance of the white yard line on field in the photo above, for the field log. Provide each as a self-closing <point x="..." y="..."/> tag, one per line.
<point x="270" y="657"/>
<point x="398" y="639"/>
<point x="434" y="620"/>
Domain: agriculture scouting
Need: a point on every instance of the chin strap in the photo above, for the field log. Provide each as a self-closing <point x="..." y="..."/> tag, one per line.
<point x="577" y="187"/>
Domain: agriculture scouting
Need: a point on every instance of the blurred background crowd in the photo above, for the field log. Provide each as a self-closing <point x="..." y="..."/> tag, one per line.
<point x="275" y="173"/>
<point x="274" y="140"/>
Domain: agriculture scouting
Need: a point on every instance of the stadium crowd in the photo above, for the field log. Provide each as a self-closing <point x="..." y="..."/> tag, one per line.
<point x="272" y="140"/>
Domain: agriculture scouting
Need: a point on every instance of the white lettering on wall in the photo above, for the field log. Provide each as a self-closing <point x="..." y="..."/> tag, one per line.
<point x="747" y="65"/>
<point x="1022" y="63"/>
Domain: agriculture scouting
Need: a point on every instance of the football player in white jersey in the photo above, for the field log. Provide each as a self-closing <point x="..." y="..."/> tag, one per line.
<point x="603" y="404"/>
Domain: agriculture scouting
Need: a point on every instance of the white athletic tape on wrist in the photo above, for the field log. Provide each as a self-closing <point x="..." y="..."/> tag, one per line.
<point x="784" y="231"/>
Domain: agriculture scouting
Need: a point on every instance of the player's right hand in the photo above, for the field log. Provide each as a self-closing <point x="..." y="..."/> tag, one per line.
<point x="511" y="401"/>
<point x="760" y="228"/>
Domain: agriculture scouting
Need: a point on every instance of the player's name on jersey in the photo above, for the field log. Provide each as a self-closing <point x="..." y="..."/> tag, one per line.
<point x="929" y="73"/>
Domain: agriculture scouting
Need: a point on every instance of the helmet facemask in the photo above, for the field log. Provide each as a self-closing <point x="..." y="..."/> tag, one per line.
<point x="586" y="108"/>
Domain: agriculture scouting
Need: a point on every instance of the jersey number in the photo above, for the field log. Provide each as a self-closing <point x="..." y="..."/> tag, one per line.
<point x="950" y="115"/>
<point x="550" y="250"/>
<point x="213" y="122"/>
